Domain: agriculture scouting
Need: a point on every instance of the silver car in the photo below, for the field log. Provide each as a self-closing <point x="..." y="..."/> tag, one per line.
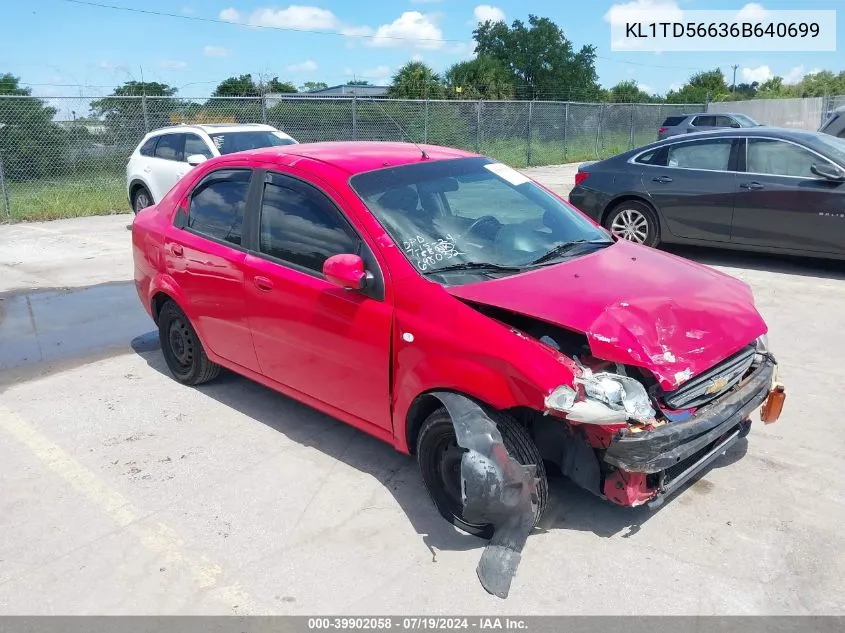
<point x="702" y="122"/>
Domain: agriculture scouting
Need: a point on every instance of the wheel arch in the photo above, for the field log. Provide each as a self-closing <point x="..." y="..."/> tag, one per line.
<point x="427" y="403"/>
<point x="135" y="184"/>
<point x="628" y="197"/>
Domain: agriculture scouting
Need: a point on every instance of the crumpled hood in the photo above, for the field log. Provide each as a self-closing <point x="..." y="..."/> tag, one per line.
<point x="637" y="306"/>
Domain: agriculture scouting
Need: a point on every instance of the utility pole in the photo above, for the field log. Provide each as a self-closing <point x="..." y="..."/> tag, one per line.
<point x="735" y="66"/>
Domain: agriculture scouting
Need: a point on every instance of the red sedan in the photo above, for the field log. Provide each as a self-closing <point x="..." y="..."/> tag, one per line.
<point x="451" y="306"/>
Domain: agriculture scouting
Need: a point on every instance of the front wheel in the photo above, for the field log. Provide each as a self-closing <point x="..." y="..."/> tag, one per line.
<point x="439" y="458"/>
<point x="634" y="221"/>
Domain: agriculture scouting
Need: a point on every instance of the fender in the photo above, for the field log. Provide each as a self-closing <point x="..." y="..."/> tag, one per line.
<point x="162" y="282"/>
<point x="497" y="387"/>
<point x="137" y="180"/>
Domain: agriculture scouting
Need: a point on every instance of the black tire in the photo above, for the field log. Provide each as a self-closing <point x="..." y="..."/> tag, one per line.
<point x="141" y="199"/>
<point x="183" y="352"/>
<point x="438" y="453"/>
<point x="641" y="220"/>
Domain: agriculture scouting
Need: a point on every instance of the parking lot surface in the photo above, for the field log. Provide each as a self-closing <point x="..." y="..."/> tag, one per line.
<point x="125" y="492"/>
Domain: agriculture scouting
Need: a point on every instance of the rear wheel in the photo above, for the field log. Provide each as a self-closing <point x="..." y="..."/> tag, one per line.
<point x="634" y="221"/>
<point x="183" y="352"/>
<point x="141" y="199"/>
<point x="439" y="457"/>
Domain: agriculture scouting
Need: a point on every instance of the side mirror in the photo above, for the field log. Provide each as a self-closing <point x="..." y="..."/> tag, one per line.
<point x="828" y="171"/>
<point x="196" y="159"/>
<point x="346" y="271"/>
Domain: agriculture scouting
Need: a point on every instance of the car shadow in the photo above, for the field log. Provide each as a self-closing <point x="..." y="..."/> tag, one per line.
<point x="570" y="507"/>
<point x="781" y="264"/>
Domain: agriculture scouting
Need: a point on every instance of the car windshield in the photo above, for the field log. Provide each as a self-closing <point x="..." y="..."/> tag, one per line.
<point x="469" y="214"/>
<point x="746" y="121"/>
<point x="229" y="142"/>
<point x="833" y="146"/>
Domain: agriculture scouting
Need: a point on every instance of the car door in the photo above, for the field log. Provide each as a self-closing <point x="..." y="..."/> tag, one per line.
<point x="205" y="258"/>
<point x="692" y="184"/>
<point x="328" y="343"/>
<point x="780" y="203"/>
<point x="169" y="164"/>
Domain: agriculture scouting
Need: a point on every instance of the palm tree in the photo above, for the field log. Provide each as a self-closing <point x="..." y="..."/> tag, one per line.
<point x="415" y="80"/>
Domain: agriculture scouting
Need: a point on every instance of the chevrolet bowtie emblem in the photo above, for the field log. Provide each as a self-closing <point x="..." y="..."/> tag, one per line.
<point x="717" y="385"/>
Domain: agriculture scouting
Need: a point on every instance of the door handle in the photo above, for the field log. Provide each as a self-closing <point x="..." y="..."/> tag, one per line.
<point x="751" y="185"/>
<point x="176" y="249"/>
<point x="663" y="179"/>
<point x="262" y="283"/>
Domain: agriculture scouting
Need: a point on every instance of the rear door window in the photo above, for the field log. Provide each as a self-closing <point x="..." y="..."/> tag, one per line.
<point x="672" y="121"/>
<point x="218" y="203"/>
<point x="704" y="121"/>
<point x="711" y="155"/>
<point x="170" y="147"/>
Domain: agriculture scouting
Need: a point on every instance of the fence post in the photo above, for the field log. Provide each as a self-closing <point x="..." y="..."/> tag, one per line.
<point x="4" y="192"/>
<point x="425" y="123"/>
<point x="598" y="129"/>
<point x="631" y="139"/>
<point x="478" y="128"/>
<point x="530" y="132"/>
<point x="144" y="111"/>
<point x="354" y="117"/>
<point x="565" y="128"/>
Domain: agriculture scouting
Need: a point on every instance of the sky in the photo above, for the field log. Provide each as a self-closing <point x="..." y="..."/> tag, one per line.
<point x="64" y="48"/>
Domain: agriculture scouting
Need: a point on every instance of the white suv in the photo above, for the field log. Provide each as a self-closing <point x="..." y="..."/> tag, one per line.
<point x="167" y="154"/>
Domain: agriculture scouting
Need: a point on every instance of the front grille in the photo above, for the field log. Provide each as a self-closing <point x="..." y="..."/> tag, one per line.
<point x="712" y="383"/>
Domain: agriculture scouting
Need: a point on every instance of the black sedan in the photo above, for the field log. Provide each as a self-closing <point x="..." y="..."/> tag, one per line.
<point x="765" y="189"/>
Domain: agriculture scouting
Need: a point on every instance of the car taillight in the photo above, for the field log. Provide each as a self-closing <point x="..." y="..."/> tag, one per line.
<point x="661" y="130"/>
<point x="580" y="177"/>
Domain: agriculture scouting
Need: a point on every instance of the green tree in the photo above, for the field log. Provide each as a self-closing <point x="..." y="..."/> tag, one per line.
<point x="310" y="86"/>
<point x="480" y="78"/>
<point x="135" y="108"/>
<point x="541" y="58"/>
<point x="31" y="144"/>
<point x="415" y="80"/>
<point x="701" y="87"/>
<point x="629" y="91"/>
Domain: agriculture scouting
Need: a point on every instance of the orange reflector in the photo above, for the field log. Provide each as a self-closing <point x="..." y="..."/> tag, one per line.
<point x="773" y="406"/>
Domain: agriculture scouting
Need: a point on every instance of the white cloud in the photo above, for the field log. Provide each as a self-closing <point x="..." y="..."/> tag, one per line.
<point x="308" y="66"/>
<point x="378" y="76"/>
<point x="759" y="74"/>
<point x="641" y="11"/>
<point x="645" y="88"/>
<point x="753" y="11"/>
<point x="173" y="64"/>
<point x="412" y="28"/>
<point x="230" y="15"/>
<point x="632" y="11"/>
<point x="796" y="74"/>
<point x="296" y="17"/>
<point x="215" y="51"/>
<point x="106" y="65"/>
<point x="485" y="12"/>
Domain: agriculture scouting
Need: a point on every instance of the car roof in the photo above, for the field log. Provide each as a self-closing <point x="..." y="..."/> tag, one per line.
<point x="214" y="128"/>
<point x="354" y="157"/>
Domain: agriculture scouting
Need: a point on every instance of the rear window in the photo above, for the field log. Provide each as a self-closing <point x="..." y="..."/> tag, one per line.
<point x="672" y="121"/>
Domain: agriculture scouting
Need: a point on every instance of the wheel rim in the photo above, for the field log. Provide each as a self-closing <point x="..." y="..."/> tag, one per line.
<point x="142" y="201"/>
<point x="631" y="225"/>
<point x="181" y="343"/>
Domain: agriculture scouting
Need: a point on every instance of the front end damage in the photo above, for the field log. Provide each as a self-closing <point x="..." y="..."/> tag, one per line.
<point x="630" y="441"/>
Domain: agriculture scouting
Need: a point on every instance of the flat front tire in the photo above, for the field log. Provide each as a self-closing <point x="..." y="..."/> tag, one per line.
<point x="183" y="352"/>
<point x="439" y="458"/>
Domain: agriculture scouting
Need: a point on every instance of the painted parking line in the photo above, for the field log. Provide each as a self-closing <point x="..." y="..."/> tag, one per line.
<point x="159" y="538"/>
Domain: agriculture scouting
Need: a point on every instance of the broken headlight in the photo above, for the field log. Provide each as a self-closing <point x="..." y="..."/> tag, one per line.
<point x="762" y="347"/>
<point x="607" y="399"/>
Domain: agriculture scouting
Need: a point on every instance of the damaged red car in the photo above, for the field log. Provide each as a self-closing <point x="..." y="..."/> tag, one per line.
<point x="449" y="305"/>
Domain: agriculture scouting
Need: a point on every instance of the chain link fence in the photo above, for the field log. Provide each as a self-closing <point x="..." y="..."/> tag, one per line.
<point x="63" y="157"/>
